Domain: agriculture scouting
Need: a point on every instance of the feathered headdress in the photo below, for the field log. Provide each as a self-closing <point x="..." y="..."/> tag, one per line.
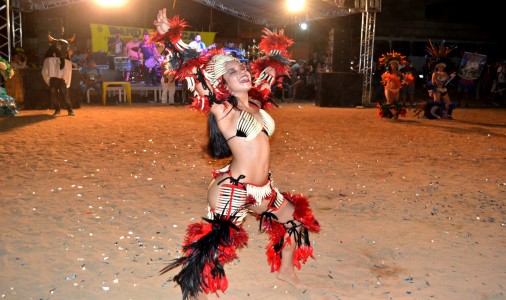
<point x="215" y="68"/>
<point x="389" y="57"/>
<point x="439" y="54"/>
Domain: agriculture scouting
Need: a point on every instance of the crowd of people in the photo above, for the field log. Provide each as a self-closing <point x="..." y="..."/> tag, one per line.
<point x="300" y="84"/>
<point x="396" y="86"/>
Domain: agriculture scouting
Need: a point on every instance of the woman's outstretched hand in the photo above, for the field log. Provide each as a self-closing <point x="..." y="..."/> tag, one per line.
<point x="161" y="22"/>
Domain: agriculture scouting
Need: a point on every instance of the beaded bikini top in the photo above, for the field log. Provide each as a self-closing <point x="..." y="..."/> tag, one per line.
<point x="249" y="127"/>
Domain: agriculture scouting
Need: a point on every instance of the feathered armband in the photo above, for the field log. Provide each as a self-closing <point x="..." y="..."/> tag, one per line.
<point x="274" y="46"/>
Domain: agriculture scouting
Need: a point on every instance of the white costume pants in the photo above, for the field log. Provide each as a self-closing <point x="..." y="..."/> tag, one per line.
<point x="168" y="86"/>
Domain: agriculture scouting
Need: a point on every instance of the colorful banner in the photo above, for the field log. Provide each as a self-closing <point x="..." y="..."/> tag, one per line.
<point x="100" y="34"/>
<point x="471" y="65"/>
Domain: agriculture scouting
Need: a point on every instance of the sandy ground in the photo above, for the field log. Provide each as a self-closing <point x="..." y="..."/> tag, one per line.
<point x="93" y="206"/>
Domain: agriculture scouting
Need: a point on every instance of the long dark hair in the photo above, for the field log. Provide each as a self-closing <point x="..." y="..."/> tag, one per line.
<point x="217" y="146"/>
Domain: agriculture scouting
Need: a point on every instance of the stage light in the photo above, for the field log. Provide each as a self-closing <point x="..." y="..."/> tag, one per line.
<point x="303" y="26"/>
<point x="295" y="5"/>
<point x="111" y="3"/>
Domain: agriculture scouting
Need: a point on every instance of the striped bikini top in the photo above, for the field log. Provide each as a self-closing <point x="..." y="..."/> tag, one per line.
<point x="249" y="127"/>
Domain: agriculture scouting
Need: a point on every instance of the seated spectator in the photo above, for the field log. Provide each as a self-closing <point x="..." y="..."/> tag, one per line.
<point x="299" y="81"/>
<point x="91" y="77"/>
<point x="280" y="85"/>
<point x="79" y="59"/>
<point x="15" y="85"/>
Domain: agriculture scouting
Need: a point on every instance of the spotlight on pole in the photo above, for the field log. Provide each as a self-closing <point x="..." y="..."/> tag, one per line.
<point x="303" y="26"/>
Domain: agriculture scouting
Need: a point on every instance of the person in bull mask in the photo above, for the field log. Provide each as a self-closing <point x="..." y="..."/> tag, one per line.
<point x="57" y="73"/>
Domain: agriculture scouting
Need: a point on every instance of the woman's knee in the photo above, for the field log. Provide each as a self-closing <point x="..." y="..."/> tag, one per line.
<point x="285" y="212"/>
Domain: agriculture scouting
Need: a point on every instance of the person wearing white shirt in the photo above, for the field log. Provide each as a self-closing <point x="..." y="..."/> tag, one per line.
<point x="197" y="44"/>
<point x="57" y="73"/>
<point x="168" y="81"/>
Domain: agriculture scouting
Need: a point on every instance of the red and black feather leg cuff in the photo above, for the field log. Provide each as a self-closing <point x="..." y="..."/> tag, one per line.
<point x="208" y="246"/>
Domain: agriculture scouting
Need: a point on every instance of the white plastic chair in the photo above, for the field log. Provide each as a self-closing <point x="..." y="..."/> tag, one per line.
<point x="88" y="93"/>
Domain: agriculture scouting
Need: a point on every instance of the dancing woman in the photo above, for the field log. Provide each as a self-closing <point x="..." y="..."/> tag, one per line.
<point x="239" y="127"/>
<point x="440" y="78"/>
<point x="393" y="80"/>
<point x="8" y="106"/>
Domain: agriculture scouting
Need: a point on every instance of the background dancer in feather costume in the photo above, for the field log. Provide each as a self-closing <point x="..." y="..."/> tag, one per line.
<point x="438" y="86"/>
<point x="239" y="127"/>
<point x="440" y="80"/>
<point x="393" y="80"/>
<point x="8" y="106"/>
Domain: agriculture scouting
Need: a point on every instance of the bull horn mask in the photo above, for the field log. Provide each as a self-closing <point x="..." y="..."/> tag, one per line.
<point x="63" y="46"/>
<point x="67" y="41"/>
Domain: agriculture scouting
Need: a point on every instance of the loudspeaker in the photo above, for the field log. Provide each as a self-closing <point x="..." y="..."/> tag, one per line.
<point x="100" y="57"/>
<point x="75" y="93"/>
<point x="339" y="89"/>
<point x="44" y="27"/>
<point x="53" y="25"/>
<point x="43" y="47"/>
<point x="110" y="62"/>
<point x="341" y="57"/>
<point x="342" y="44"/>
<point x="36" y="91"/>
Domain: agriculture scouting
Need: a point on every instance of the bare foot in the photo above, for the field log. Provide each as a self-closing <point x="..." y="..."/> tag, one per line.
<point x="291" y="278"/>
<point x="199" y="297"/>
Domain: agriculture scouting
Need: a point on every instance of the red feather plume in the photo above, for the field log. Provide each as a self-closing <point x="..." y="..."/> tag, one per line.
<point x="303" y="212"/>
<point x="260" y="64"/>
<point x="272" y="41"/>
<point x="174" y="34"/>
<point x="262" y="95"/>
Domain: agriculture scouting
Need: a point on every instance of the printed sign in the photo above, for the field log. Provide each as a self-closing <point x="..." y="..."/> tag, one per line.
<point x="471" y="65"/>
<point x="100" y="34"/>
